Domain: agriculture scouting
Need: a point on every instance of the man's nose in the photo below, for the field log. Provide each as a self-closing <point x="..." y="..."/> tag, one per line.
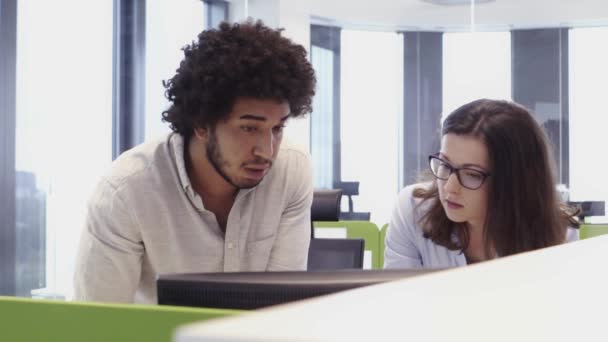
<point x="264" y="147"/>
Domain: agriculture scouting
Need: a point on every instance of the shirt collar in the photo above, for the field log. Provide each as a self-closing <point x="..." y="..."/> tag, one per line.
<point x="178" y="144"/>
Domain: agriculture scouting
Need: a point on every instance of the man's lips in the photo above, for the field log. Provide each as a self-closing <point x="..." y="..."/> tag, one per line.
<point x="257" y="167"/>
<point x="256" y="171"/>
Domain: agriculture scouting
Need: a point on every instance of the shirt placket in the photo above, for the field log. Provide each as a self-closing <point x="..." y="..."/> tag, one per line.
<point x="231" y="240"/>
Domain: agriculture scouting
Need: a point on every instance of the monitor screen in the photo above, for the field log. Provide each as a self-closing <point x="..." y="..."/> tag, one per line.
<point x="253" y="290"/>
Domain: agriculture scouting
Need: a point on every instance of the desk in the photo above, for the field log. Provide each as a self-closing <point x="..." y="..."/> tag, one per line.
<point x="553" y="294"/>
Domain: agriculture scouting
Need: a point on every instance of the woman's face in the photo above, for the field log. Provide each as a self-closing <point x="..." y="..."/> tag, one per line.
<point x="460" y="203"/>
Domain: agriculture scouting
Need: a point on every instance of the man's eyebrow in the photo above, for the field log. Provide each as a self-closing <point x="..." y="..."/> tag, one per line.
<point x="252" y="117"/>
<point x="260" y="117"/>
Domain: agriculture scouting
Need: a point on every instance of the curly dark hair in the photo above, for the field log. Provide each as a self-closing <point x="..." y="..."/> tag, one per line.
<point x="245" y="59"/>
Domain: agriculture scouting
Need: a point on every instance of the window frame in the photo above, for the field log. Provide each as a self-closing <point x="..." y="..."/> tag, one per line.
<point x="8" y="64"/>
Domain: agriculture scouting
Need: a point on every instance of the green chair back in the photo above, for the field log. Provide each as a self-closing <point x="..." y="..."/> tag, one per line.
<point x="365" y="230"/>
<point x="25" y="319"/>
<point x="382" y="245"/>
<point x="591" y="230"/>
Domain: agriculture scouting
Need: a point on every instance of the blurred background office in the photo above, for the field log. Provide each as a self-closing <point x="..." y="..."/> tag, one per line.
<point x="81" y="81"/>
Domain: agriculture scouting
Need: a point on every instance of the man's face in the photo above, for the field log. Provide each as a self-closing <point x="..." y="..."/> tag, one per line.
<point x="243" y="147"/>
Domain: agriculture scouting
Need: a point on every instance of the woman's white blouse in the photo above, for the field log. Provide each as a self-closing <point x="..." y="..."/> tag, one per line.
<point x="406" y="247"/>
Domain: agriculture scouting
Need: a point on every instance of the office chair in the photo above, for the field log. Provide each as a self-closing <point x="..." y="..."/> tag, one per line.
<point x="335" y="254"/>
<point x="589" y="208"/>
<point x="350" y="189"/>
<point x="365" y="230"/>
<point x="331" y="254"/>
<point x="325" y="207"/>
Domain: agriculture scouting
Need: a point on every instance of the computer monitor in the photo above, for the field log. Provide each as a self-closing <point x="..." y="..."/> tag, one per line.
<point x="254" y="290"/>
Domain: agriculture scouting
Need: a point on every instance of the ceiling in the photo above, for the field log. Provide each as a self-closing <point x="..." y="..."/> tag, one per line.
<point x="416" y="14"/>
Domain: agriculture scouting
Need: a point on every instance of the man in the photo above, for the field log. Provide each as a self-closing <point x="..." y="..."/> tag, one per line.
<point x="219" y="193"/>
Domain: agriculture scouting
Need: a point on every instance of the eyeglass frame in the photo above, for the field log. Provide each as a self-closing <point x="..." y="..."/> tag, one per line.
<point x="453" y="169"/>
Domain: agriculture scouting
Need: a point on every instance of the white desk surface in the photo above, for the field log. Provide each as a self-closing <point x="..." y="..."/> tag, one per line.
<point x="554" y="294"/>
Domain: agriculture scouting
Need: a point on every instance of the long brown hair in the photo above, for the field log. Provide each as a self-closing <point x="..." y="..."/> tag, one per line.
<point x="525" y="211"/>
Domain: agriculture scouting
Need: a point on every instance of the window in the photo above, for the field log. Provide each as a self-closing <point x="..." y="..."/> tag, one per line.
<point x="588" y="120"/>
<point x="475" y="65"/>
<point x="63" y="132"/>
<point x="322" y="132"/>
<point x="170" y="25"/>
<point x="371" y="97"/>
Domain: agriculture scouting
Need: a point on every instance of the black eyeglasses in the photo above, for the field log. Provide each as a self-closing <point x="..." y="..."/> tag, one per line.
<point x="469" y="178"/>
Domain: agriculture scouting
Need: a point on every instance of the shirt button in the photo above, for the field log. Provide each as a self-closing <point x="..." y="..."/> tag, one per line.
<point x="230" y="245"/>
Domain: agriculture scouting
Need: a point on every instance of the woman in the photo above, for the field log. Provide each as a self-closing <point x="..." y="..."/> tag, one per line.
<point x="492" y="194"/>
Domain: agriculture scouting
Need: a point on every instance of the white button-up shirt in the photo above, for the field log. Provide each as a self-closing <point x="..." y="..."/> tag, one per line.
<point x="145" y="219"/>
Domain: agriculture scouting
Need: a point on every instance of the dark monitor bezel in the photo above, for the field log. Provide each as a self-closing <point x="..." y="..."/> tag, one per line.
<point x="255" y="290"/>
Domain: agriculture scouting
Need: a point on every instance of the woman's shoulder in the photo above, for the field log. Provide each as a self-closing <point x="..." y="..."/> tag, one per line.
<point x="410" y="189"/>
<point x="410" y="208"/>
<point x="407" y="196"/>
<point x="571" y="234"/>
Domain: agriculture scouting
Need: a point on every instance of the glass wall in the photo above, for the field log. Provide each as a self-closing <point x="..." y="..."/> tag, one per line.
<point x="539" y="59"/>
<point x="322" y="119"/>
<point x="64" y="105"/>
<point x="475" y="65"/>
<point x="551" y="65"/>
<point x="63" y="133"/>
<point x="170" y="25"/>
<point x="371" y="100"/>
<point x="588" y="113"/>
